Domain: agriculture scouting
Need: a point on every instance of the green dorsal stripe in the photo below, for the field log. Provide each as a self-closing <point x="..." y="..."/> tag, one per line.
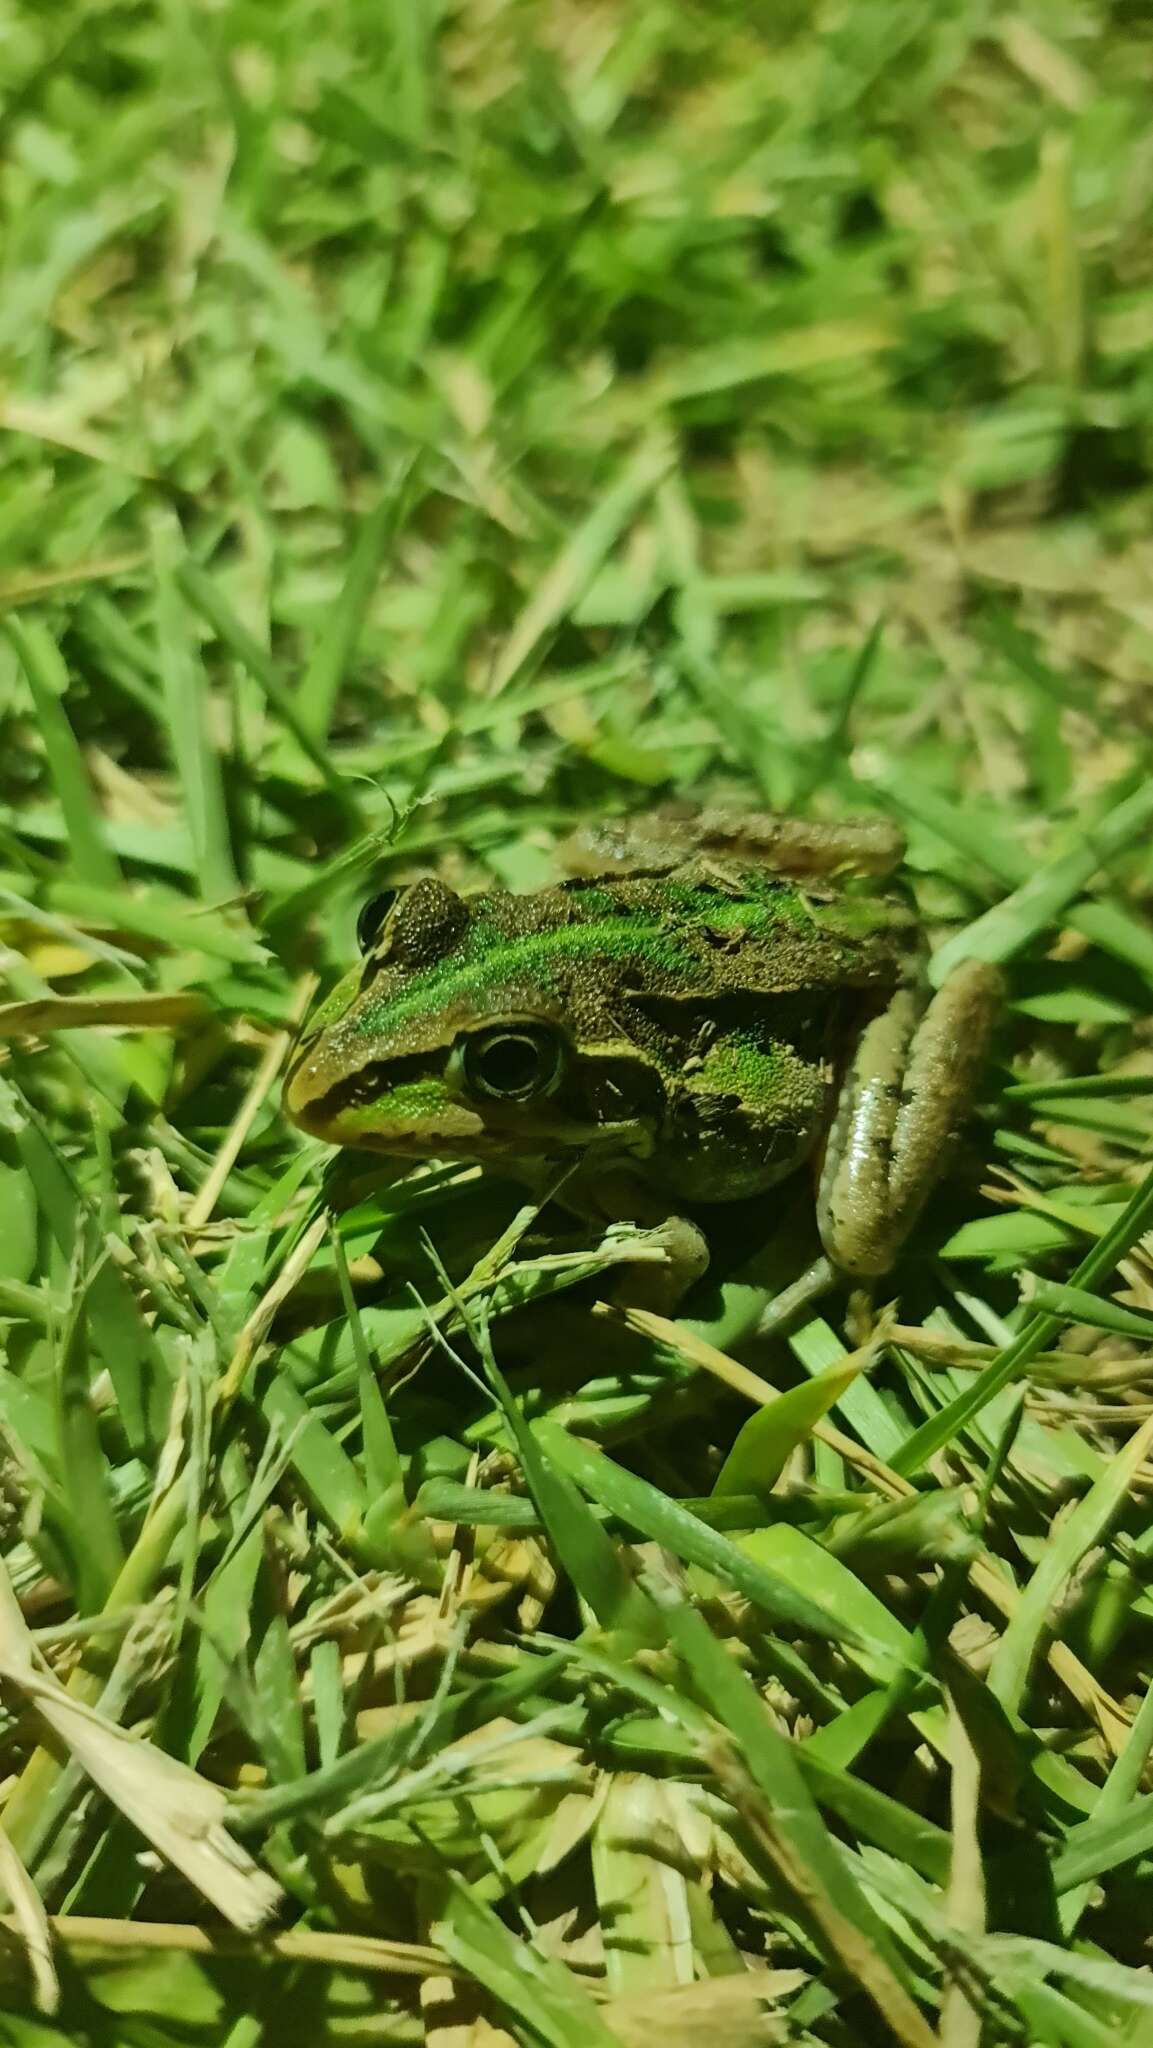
<point x="617" y="938"/>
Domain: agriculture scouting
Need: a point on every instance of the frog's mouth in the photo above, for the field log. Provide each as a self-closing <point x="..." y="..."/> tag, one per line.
<point x="417" y="1109"/>
<point x="449" y="1131"/>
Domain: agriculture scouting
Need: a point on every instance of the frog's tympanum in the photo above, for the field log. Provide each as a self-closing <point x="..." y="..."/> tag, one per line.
<point x="704" y="1005"/>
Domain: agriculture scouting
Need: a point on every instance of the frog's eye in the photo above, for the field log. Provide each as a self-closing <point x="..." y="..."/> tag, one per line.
<point x="372" y="917"/>
<point x="512" y="1062"/>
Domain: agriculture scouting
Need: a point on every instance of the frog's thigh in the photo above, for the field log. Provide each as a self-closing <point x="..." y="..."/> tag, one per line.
<point x="867" y="846"/>
<point x="911" y="1082"/>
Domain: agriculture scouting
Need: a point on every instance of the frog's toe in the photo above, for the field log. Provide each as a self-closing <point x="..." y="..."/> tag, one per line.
<point x="660" y="1285"/>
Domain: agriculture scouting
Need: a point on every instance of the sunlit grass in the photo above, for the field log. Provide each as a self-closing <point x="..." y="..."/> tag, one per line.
<point x="422" y="433"/>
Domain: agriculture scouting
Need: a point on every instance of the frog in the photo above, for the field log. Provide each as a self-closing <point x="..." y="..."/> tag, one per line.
<point x="703" y="1003"/>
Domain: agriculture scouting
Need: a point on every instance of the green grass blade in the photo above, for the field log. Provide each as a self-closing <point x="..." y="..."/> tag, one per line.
<point x="595" y="1568"/>
<point x="194" y="754"/>
<point x="802" y="1851"/>
<point x="1096" y="1846"/>
<point x="1135" y="1219"/>
<point x="536" y="1991"/>
<point x="578" y="561"/>
<point x="336" y="647"/>
<point x="770" y="1436"/>
<point x="1066" y="1546"/>
<point x="206" y="597"/>
<point x="48" y="683"/>
<point x="1034" y="907"/>
<point x="666" y="1521"/>
<point x="85" y="1491"/>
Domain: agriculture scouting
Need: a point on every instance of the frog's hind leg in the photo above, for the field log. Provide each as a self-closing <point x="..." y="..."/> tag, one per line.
<point x="797" y="1301"/>
<point x="911" y="1082"/>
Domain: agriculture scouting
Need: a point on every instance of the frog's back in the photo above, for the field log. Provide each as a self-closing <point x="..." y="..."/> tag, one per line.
<point x="706" y="930"/>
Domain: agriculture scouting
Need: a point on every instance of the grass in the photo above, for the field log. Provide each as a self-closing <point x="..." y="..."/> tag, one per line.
<point x="425" y="430"/>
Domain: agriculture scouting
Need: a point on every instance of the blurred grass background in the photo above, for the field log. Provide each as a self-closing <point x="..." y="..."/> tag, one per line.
<point x="425" y="429"/>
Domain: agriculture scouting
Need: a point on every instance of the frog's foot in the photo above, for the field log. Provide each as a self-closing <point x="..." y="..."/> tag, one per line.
<point x="660" y="1284"/>
<point x="794" y="1302"/>
<point x="860" y="1315"/>
<point x="912" y="1081"/>
<point x="671" y="1253"/>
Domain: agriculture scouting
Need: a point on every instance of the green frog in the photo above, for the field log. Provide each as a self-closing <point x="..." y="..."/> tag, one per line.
<point x="705" y="1002"/>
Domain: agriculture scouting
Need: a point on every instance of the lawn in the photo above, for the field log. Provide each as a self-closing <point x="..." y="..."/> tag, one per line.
<point x="427" y="431"/>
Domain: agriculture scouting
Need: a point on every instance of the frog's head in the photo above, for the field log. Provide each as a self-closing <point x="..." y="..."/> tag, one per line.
<point x="459" y="1036"/>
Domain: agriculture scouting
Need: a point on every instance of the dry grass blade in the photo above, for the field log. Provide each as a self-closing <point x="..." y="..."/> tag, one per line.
<point x="180" y="1813"/>
<point x="270" y="1064"/>
<point x="961" y="2023"/>
<point x="30" y="1924"/>
<point x="43" y="1014"/>
<point x="858" y="1956"/>
<point x="1068" y="1542"/>
<point x="91" y="1933"/>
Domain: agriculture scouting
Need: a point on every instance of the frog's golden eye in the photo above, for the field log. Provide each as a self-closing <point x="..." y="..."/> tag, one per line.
<point x="372" y="917"/>
<point x="511" y="1062"/>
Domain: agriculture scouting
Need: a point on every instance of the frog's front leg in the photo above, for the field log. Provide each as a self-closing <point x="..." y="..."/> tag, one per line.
<point x="600" y="1196"/>
<point x="911" y="1082"/>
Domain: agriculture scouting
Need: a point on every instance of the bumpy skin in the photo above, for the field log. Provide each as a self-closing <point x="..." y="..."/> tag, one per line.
<point x="687" y="1012"/>
<point x="801" y="848"/>
<point x="697" y="1016"/>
